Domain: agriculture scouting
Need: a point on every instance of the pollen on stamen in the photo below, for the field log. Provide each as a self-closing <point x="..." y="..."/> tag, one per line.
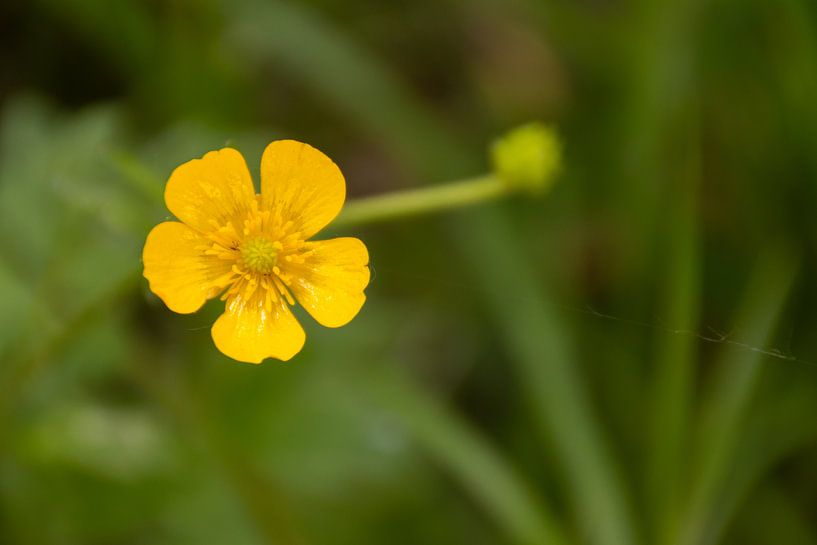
<point x="282" y="289"/>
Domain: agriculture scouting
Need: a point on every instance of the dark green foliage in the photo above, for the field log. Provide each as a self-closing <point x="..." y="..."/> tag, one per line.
<point x="628" y="360"/>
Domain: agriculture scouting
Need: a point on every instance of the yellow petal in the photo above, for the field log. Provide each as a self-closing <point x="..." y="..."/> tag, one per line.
<point x="302" y="185"/>
<point x="178" y="270"/>
<point x="248" y="332"/>
<point x="207" y="193"/>
<point x="329" y="283"/>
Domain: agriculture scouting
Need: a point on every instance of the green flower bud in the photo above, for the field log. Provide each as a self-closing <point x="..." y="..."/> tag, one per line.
<point x="528" y="157"/>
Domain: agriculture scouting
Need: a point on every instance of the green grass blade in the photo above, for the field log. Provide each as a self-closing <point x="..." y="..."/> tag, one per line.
<point x="724" y="411"/>
<point x="773" y="436"/>
<point x="547" y="369"/>
<point x="472" y="460"/>
<point x="673" y="383"/>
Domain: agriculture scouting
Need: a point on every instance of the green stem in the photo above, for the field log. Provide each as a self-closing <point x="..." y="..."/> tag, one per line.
<point x="414" y="202"/>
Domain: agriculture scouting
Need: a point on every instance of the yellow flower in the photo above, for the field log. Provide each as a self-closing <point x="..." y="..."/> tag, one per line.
<point x="255" y="250"/>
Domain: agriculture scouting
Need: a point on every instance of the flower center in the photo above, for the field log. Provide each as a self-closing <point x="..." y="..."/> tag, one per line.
<point x="259" y="255"/>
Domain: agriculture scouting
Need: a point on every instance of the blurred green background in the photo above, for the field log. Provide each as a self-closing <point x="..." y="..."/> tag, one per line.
<point x="628" y="360"/>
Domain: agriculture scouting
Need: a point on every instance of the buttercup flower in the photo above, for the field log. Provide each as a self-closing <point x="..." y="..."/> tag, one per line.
<point x="254" y="250"/>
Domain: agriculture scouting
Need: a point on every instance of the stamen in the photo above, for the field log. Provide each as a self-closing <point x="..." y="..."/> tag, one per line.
<point x="283" y="290"/>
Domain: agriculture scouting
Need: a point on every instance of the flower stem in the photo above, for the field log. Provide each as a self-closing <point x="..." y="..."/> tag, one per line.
<point x="415" y="202"/>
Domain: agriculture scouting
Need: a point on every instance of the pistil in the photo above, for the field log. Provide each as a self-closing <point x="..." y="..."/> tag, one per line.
<point x="260" y="255"/>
